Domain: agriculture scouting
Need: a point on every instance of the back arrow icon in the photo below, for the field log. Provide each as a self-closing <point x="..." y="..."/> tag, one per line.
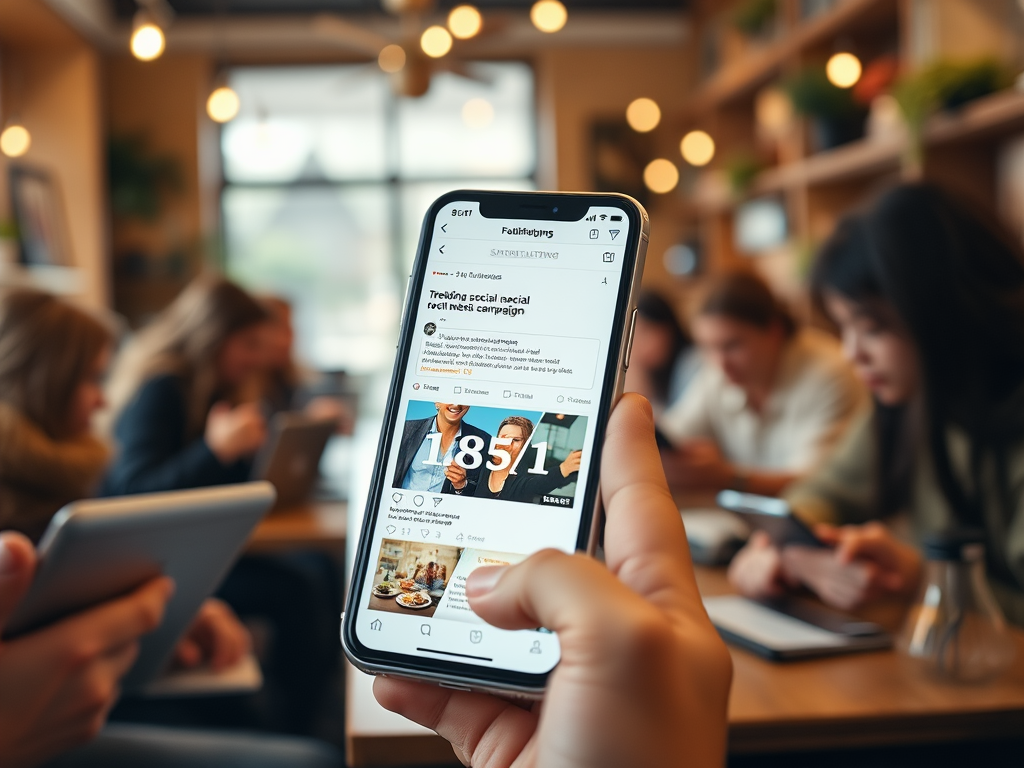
<point x="444" y="227"/>
<point x="441" y="249"/>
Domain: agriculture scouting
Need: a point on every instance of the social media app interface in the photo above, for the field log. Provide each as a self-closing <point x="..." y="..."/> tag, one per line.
<point x="492" y="446"/>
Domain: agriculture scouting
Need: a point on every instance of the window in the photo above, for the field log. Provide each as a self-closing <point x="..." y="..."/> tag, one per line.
<point x="328" y="176"/>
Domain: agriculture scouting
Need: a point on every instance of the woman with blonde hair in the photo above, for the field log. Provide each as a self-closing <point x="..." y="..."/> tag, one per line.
<point x="53" y="356"/>
<point x="174" y="419"/>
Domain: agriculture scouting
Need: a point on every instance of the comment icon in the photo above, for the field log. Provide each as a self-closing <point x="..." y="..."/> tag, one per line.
<point x="425" y="629"/>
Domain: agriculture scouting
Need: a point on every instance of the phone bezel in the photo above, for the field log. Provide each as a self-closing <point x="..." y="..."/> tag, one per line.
<point x="526" y="206"/>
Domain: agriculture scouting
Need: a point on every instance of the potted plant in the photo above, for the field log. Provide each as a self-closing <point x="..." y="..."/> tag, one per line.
<point x="755" y="18"/>
<point x="836" y="116"/>
<point x="947" y="85"/>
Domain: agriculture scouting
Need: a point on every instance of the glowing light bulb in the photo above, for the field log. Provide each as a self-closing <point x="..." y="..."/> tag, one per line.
<point x="548" y="15"/>
<point x="223" y="104"/>
<point x="465" y="22"/>
<point x="477" y="113"/>
<point x="391" y="58"/>
<point x="697" y="148"/>
<point x="643" y="115"/>
<point x="147" y="42"/>
<point x="661" y="176"/>
<point x="436" y="42"/>
<point x="15" y="140"/>
<point x="843" y="70"/>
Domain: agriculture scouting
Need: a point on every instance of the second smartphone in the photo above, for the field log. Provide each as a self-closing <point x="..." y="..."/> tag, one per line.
<point x="514" y="344"/>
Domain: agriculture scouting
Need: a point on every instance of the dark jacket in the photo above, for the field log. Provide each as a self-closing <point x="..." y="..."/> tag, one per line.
<point x="415" y="432"/>
<point x="527" y="487"/>
<point x="153" y="452"/>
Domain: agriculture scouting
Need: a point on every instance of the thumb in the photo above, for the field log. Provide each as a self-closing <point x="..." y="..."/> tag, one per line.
<point x="17" y="567"/>
<point x="522" y="596"/>
<point x="220" y="408"/>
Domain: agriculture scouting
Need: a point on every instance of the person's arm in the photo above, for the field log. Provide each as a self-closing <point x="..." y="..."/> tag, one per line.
<point x="57" y="684"/>
<point x="152" y="454"/>
<point x="643" y="678"/>
<point x="690" y="418"/>
<point x="54" y="468"/>
<point x="698" y="465"/>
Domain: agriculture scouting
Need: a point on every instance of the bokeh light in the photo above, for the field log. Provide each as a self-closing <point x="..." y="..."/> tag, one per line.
<point x="391" y="58"/>
<point x="223" y="105"/>
<point x="643" y="115"/>
<point x="843" y="70"/>
<point x="661" y="176"/>
<point x="697" y="148"/>
<point x="436" y="41"/>
<point x="465" y="21"/>
<point x="15" y="140"/>
<point x="477" y="113"/>
<point x="548" y="15"/>
<point x="147" y="42"/>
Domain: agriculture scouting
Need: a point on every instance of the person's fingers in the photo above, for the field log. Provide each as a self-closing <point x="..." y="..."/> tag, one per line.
<point x="220" y="408"/>
<point x="484" y="731"/>
<point x="828" y="534"/>
<point x="187" y="654"/>
<point x="645" y="543"/>
<point x="110" y="625"/>
<point x="760" y="540"/>
<point x="521" y="597"/>
<point x="17" y="567"/>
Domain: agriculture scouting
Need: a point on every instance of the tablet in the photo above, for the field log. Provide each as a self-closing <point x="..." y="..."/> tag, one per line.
<point x="99" y="549"/>
<point x="290" y="461"/>
<point x="773" y="516"/>
<point x="787" y="629"/>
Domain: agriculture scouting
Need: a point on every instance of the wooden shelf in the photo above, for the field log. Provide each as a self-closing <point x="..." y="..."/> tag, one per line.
<point x="988" y="119"/>
<point x="761" y="65"/>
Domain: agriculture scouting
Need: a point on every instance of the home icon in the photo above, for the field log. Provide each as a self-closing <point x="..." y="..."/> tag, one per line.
<point x="375" y="625"/>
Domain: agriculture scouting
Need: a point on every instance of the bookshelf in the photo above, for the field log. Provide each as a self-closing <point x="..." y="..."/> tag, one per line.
<point x="964" y="149"/>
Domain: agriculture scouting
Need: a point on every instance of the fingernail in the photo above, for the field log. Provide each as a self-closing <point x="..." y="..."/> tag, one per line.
<point x="484" y="580"/>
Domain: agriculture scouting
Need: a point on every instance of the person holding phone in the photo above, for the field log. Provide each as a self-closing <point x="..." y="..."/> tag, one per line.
<point x="770" y="401"/>
<point x="644" y="677"/>
<point x="58" y="684"/>
<point x="426" y="454"/>
<point x="929" y="298"/>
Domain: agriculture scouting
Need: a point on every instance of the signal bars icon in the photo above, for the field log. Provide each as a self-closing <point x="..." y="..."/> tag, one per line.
<point x="592" y="218"/>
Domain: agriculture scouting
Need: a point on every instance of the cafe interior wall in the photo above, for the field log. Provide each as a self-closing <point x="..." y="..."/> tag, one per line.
<point x="51" y="79"/>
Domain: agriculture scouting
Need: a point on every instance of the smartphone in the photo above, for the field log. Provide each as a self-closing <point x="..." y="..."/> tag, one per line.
<point x="514" y="344"/>
<point x="771" y="515"/>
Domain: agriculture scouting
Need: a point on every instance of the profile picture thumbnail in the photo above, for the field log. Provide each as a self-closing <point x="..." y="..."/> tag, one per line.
<point x="430" y="329"/>
<point x="505" y="454"/>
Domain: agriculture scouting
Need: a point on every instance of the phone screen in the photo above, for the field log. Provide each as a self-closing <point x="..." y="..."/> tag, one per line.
<point x="504" y="382"/>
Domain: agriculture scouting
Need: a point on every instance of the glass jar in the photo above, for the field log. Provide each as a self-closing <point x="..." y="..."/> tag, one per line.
<point x="956" y="629"/>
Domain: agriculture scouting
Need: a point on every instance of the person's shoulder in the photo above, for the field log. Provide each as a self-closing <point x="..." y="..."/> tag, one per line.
<point x="161" y="389"/>
<point x="820" y="352"/>
<point x="469" y="429"/>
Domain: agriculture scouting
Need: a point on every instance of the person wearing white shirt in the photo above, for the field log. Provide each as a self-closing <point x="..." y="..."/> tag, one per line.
<point x="770" y="402"/>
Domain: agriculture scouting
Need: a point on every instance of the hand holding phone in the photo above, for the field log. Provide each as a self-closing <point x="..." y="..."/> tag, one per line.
<point x="644" y="678"/>
<point x="515" y="341"/>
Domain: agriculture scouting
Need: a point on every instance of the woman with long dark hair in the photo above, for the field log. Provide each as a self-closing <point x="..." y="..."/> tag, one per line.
<point x="663" y="359"/>
<point x="929" y="298"/>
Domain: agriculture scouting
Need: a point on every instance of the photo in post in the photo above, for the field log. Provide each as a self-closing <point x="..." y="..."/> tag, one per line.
<point x="429" y="580"/>
<point x="508" y="454"/>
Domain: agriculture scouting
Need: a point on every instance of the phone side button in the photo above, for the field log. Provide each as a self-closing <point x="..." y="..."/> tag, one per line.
<point x="629" y="341"/>
<point x="454" y="687"/>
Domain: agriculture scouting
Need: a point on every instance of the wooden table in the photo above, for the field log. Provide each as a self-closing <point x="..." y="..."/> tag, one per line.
<point x="861" y="700"/>
<point x="319" y="525"/>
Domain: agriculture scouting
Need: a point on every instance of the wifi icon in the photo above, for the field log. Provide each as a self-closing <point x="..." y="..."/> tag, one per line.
<point x="604" y="216"/>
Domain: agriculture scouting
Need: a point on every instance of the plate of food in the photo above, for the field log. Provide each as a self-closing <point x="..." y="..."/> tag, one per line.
<point x="409" y="585"/>
<point x="386" y="589"/>
<point x="414" y="600"/>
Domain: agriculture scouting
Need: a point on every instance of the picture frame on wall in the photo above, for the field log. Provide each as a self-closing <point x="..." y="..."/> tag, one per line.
<point x="40" y="218"/>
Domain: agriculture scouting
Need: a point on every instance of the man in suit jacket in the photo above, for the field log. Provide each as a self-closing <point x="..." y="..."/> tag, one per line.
<point x="436" y="439"/>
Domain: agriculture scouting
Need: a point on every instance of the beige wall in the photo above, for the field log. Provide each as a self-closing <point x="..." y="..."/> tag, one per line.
<point x="578" y="85"/>
<point x="55" y="88"/>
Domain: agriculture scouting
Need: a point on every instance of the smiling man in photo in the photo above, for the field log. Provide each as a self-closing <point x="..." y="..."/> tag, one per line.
<point x="428" y="449"/>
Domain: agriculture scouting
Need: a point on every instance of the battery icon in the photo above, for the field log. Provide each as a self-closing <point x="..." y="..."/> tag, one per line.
<point x="616" y="218"/>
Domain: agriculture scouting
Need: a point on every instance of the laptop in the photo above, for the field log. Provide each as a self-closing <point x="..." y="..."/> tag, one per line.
<point x="290" y="460"/>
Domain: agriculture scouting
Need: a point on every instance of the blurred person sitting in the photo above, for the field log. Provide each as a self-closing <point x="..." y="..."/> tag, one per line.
<point x="284" y="385"/>
<point x="53" y="358"/>
<point x="175" y="420"/>
<point x="769" y="402"/>
<point x="181" y="421"/>
<point x="929" y="297"/>
<point x="663" y="359"/>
